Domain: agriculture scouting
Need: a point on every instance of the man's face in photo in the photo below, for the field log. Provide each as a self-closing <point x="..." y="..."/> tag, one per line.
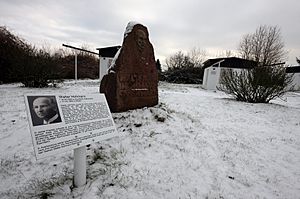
<point x="43" y="108"/>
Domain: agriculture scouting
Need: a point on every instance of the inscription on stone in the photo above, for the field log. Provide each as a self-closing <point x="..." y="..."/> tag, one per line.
<point x="132" y="78"/>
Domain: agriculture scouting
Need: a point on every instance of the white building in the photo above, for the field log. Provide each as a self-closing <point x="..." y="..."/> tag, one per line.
<point x="214" y="67"/>
<point x="295" y="70"/>
<point x="106" y="55"/>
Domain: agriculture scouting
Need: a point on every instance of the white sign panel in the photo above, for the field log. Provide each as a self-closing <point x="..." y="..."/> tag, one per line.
<point x="64" y="122"/>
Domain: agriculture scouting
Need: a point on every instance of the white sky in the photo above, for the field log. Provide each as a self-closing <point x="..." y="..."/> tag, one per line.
<point x="211" y="25"/>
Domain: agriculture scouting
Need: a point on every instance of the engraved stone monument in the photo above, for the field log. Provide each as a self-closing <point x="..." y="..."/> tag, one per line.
<point x="132" y="78"/>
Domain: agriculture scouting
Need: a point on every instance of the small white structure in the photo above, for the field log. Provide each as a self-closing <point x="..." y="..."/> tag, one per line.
<point x="211" y="76"/>
<point x="106" y="56"/>
<point x="104" y="65"/>
<point x="295" y="71"/>
<point x="214" y="67"/>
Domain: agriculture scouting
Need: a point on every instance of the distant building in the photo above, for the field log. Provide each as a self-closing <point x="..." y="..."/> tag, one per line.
<point x="295" y="70"/>
<point x="106" y="56"/>
<point x="213" y="69"/>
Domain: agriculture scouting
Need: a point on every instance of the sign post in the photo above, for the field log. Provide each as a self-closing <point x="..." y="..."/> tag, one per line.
<point x="80" y="49"/>
<point x="80" y="166"/>
<point x="69" y="122"/>
<point x="75" y="68"/>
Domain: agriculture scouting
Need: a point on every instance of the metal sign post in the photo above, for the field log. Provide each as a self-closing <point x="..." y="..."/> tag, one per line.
<point x="75" y="68"/>
<point x="65" y="134"/>
<point x="80" y="49"/>
<point x="80" y="166"/>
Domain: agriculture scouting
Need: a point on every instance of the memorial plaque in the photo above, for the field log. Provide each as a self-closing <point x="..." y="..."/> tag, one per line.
<point x="64" y="122"/>
<point x="132" y="78"/>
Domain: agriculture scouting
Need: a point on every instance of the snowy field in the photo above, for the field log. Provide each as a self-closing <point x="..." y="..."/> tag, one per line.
<point x="194" y="144"/>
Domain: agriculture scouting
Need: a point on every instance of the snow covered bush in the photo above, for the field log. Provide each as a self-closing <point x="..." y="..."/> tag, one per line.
<point x="258" y="85"/>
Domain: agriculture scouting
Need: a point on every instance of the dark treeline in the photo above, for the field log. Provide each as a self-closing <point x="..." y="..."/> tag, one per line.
<point x="23" y="62"/>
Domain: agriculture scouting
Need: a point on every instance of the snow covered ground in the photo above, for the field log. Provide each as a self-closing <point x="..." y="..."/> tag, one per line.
<point x="194" y="144"/>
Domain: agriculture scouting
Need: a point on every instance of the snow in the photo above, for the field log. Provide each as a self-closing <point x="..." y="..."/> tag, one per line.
<point x="128" y="30"/>
<point x="111" y="68"/>
<point x="194" y="144"/>
<point x="129" y="27"/>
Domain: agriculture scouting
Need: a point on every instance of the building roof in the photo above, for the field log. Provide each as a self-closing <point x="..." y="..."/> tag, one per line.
<point x="230" y="62"/>
<point x="108" y="51"/>
<point x="293" y="69"/>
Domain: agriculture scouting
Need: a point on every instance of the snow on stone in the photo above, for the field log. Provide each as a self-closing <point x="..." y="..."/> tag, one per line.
<point x="128" y="30"/>
<point x="113" y="62"/>
<point x="129" y="27"/>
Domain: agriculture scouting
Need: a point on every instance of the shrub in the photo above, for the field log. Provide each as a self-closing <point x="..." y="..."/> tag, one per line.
<point x="183" y="75"/>
<point x="258" y="85"/>
<point x="21" y="62"/>
<point x="87" y="66"/>
<point x="40" y="69"/>
<point x="12" y="51"/>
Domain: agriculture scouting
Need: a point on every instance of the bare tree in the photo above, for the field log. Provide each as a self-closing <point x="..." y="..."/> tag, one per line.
<point x="265" y="46"/>
<point x="179" y="60"/>
<point x="193" y="58"/>
<point x="197" y="56"/>
<point x="229" y="53"/>
<point x="264" y="82"/>
<point x="184" y="68"/>
<point x="225" y="53"/>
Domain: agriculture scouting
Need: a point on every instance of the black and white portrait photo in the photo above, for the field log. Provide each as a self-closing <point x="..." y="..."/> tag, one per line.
<point x="43" y="110"/>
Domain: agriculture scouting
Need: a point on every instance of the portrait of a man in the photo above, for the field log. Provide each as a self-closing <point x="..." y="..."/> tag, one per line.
<point x="43" y="110"/>
<point x="141" y="39"/>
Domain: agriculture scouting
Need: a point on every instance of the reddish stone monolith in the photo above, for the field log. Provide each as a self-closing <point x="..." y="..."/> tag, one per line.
<point x="132" y="79"/>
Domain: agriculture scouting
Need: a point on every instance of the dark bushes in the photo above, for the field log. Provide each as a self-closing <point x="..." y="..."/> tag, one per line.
<point x="22" y="62"/>
<point x="183" y="75"/>
<point x="87" y="66"/>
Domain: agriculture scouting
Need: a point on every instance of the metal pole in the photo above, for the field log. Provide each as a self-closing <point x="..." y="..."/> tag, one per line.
<point x="100" y="68"/>
<point x="80" y="166"/>
<point x="80" y="49"/>
<point x="75" y="68"/>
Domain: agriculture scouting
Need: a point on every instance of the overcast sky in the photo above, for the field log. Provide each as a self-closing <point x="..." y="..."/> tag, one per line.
<point x="173" y="25"/>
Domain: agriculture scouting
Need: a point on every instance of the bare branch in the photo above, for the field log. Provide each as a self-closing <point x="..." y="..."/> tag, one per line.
<point x="265" y="46"/>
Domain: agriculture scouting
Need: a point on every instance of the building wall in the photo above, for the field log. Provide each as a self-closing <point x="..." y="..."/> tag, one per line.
<point x="296" y="82"/>
<point x="211" y="78"/>
<point x="212" y="75"/>
<point x="103" y="66"/>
